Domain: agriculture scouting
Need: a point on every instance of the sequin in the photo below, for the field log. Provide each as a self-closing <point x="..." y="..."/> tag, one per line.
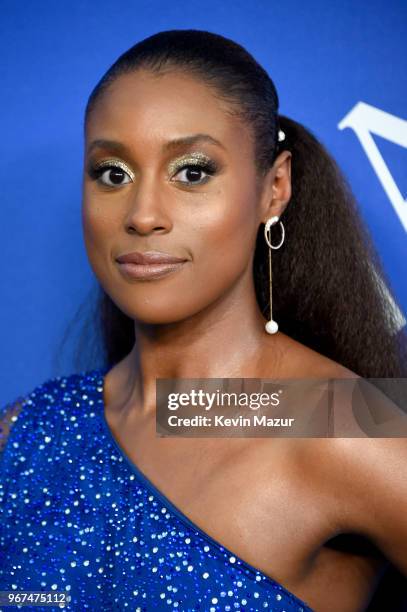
<point x="79" y="516"/>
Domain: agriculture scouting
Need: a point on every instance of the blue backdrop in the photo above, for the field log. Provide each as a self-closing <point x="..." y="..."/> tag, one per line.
<point x="339" y="68"/>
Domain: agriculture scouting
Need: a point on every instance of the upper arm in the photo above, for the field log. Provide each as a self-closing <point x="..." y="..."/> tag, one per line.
<point x="375" y="475"/>
<point x="371" y="468"/>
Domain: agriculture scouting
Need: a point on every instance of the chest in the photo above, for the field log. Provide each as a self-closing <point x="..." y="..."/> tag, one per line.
<point x="246" y="494"/>
<point x="256" y="498"/>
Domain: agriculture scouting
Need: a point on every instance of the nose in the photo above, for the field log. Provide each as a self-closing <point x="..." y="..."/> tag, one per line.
<point x="146" y="211"/>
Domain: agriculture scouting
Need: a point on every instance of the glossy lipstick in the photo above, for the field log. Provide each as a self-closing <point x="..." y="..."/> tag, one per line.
<point x="149" y="264"/>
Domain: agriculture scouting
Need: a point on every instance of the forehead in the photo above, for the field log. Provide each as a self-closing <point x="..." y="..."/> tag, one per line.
<point x="146" y="107"/>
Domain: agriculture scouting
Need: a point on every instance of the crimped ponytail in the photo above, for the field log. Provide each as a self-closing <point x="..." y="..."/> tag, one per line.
<point x="328" y="281"/>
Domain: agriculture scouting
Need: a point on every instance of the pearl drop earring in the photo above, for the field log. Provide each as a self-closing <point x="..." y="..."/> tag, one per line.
<point x="271" y="326"/>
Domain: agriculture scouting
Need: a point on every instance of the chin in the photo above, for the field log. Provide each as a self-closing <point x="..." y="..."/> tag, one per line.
<point x="154" y="315"/>
<point x="154" y="305"/>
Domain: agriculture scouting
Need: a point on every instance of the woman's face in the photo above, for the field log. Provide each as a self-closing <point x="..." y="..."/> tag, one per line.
<point x="168" y="170"/>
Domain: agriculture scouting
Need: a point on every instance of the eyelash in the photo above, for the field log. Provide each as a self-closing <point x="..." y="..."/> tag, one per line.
<point x="96" y="172"/>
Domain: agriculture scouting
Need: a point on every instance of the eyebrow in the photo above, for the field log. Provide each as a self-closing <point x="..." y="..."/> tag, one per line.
<point x="177" y="143"/>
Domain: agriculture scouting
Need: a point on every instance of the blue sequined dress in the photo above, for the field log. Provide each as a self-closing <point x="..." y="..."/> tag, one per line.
<point x="77" y="516"/>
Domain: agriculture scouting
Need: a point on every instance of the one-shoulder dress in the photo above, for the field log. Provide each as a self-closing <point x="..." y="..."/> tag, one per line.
<point x="78" y="517"/>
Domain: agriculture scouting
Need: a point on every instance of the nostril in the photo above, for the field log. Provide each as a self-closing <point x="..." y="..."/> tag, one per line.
<point x="133" y="230"/>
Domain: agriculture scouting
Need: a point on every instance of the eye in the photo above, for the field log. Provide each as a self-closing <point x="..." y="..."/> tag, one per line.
<point x="111" y="174"/>
<point x="195" y="174"/>
<point x="114" y="176"/>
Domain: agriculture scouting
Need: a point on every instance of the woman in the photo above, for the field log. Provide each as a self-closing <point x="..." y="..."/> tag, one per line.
<point x="186" y="160"/>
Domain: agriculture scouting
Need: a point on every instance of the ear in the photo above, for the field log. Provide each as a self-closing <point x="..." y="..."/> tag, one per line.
<point x="276" y="188"/>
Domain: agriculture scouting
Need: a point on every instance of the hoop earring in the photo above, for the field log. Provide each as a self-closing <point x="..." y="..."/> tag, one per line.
<point x="271" y="326"/>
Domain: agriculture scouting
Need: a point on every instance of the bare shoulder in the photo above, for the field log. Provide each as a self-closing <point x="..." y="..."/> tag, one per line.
<point x="363" y="469"/>
<point x="296" y="360"/>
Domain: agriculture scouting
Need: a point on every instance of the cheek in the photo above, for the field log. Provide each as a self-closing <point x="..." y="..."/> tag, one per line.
<point x="222" y="243"/>
<point x="98" y="233"/>
<point x="226" y="235"/>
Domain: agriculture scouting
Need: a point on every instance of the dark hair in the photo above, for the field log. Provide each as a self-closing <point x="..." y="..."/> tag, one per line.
<point x="326" y="288"/>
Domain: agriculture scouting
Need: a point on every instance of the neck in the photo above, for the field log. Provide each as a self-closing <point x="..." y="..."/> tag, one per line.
<point x="223" y="340"/>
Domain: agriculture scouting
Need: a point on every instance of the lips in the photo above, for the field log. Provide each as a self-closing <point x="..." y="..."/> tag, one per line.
<point x="149" y="258"/>
<point x="149" y="265"/>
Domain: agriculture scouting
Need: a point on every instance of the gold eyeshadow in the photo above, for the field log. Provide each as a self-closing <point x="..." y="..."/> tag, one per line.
<point x="115" y="163"/>
<point x="195" y="158"/>
<point x="191" y="159"/>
